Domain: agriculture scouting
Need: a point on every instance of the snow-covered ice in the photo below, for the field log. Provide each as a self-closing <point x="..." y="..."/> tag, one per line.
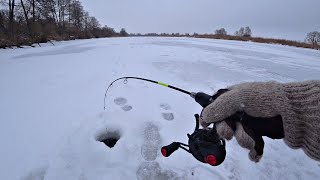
<point x="52" y="117"/>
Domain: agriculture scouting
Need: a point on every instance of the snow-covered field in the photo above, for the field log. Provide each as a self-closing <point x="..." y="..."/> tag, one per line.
<point x="51" y="108"/>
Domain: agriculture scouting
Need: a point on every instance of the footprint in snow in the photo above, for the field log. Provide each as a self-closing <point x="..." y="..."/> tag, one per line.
<point x="36" y="174"/>
<point x="166" y="114"/>
<point x="152" y="141"/>
<point x="121" y="101"/>
<point x="152" y="170"/>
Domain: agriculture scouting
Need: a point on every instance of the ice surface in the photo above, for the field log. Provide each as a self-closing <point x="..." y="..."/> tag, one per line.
<point x="51" y="108"/>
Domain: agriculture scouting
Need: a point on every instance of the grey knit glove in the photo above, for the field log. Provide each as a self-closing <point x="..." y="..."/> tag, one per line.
<point x="249" y="111"/>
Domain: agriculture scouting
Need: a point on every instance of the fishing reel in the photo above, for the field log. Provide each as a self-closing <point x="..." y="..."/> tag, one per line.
<point x="204" y="144"/>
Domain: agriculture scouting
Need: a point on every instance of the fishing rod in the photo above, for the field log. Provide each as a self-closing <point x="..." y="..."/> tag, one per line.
<point x="202" y="98"/>
<point x="204" y="144"/>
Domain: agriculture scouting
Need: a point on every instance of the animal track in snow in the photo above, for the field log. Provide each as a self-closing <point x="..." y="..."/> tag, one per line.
<point x="165" y="106"/>
<point x="126" y="108"/>
<point x="152" y="140"/>
<point x="167" y="114"/>
<point x="121" y="101"/>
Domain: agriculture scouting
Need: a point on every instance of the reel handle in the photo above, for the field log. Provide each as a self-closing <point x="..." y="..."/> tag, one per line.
<point x="166" y="151"/>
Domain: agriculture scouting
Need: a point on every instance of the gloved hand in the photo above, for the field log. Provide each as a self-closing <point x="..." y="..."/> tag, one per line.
<point x="249" y="111"/>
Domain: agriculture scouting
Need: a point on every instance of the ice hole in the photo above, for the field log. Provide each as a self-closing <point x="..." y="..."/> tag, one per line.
<point x="109" y="138"/>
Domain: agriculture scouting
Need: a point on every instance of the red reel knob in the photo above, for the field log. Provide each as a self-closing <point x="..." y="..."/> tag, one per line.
<point x="211" y="159"/>
<point x="164" y="152"/>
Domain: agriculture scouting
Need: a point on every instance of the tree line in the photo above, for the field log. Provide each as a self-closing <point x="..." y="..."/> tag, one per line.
<point x="245" y="34"/>
<point x="311" y="38"/>
<point x="35" y="21"/>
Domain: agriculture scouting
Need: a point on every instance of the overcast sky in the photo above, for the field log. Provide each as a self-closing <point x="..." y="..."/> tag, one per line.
<point x="290" y="19"/>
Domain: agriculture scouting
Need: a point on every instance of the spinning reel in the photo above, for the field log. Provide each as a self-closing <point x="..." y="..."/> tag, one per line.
<point x="204" y="144"/>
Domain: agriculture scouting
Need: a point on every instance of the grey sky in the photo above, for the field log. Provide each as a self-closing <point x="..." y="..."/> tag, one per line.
<point x="290" y="19"/>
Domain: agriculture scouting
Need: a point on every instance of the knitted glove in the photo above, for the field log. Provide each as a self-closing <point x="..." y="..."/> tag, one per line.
<point x="249" y="111"/>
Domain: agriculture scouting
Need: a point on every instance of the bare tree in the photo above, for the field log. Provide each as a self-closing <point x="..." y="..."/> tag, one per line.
<point x="11" y="17"/>
<point x="93" y="23"/>
<point x="220" y="31"/>
<point x="247" y="32"/>
<point x="30" y="21"/>
<point x="240" y="32"/>
<point x="108" y="31"/>
<point x="77" y="14"/>
<point x="27" y="19"/>
<point x="244" y="32"/>
<point x="123" y="32"/>
<point x="2" y="22"/>
<point x="86" y="21"/>
<point x="313" y="37"/>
